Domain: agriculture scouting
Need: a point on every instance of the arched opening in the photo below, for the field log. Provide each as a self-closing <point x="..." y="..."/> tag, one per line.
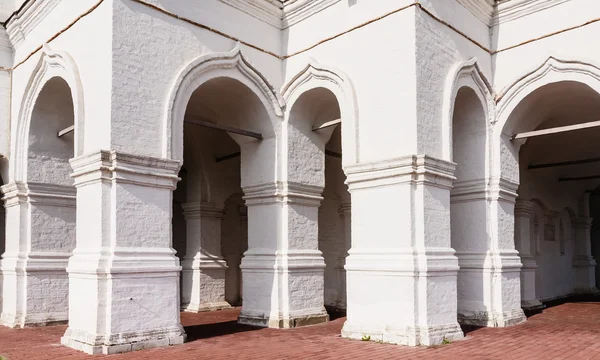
<point x="556" y="171"/>
<point x="49" y="155"/>
<point x="468" y="208"/>
<point x="210" y="228"/>
<point x="45" y="223"/>
<point x="316" y="159"/>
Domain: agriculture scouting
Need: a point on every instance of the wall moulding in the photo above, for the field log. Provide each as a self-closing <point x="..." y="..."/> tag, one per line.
<point x="21" y="24"/>
<point x="281" y="14"/>
<point x="492" y="13"/>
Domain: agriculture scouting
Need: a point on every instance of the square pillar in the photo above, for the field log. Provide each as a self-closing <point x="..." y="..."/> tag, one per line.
<point x="40" y="237"/>
<point x="525" y="244"/>
<point x="401" y="270"/>
<point x="204" y="269"/>
<point x="283" y="269"/>
<point x="583" y="261"/>
<point x="502" y="284"/>
<point x="123" y="275"/>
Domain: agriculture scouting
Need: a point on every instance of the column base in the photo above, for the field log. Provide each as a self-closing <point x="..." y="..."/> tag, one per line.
<point x="532" y="305"/>
<point x="586" y="291"/>
<point x="213" y="306"/>
<point x="123" y="342"/>
<point x="283" y="323"/>
<point x="35" y="320"/>
<point x="411" y="336"/>
<point x="490" y="319"/>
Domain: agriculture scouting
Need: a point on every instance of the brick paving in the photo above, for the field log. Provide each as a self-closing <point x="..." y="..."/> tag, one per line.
<point x="568" y="331"/>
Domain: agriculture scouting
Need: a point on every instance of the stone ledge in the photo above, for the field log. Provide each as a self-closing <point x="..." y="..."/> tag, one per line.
<point x="412" y="336"/>
<point x="491" y="319"/>
<point x="213" y="306"/>
<point x="284" y="323"/>
<point x="152" y="340"/>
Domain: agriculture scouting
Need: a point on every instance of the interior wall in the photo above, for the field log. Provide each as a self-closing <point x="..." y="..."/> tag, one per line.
<point x="556" y="189"/>
<point x="595" y="235"/>
<point x="49" y="155"/>
<point x="331" y="224"/>
<point x="234" y="242"/>
<point x="468" y="213"/>
<point x="211" y="173"/>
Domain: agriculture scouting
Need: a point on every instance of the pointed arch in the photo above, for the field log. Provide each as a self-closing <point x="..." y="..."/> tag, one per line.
<point x="230" y="64"/>
<point x="316" y="75"/>
<point x="464" y="74"/>
<point x="551" y="71"/>
<point x="51" y="64"/>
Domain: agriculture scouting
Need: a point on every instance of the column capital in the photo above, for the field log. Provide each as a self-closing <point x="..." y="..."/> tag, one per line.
<point x="501" y="189"/>
<point x="582" y="221"/>
<point x="283" y="192"/>
<point x="345" y="209"/>
<point x="524" y="208"/>
<point x="412" y="169"/>
<point x="195" y="210"/>
<point x="16" y="193"/>
<point x="125" y="168"/>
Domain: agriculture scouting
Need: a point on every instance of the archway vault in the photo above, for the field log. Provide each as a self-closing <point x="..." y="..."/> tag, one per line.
<point x="230" y="64"/>
<point x="51" y="64"/>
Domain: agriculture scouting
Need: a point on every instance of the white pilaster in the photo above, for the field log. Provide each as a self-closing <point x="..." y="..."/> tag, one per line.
<point x="525" y="244"/>
<point x="583" y="261"/>
<point x="40" y="237"/>
<point x="123" y="275"/>
<point x="401" y="271"/>
<point x="502" y="264"/>
<point x="204" y="269"/>
<point x="283" y="269"/>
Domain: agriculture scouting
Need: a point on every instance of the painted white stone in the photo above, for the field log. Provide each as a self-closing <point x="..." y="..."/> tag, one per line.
<point x="445" y="221"/>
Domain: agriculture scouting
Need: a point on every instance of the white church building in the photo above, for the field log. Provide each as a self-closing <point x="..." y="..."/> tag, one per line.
<point x="418" y="164"/>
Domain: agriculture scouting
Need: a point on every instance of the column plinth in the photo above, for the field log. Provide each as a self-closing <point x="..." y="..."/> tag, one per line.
<point x="123" y="275"/>
<point x="283" y="270"/>
<point x="41" y="237"/>
<point x="203" y="266"/>
<point x="401" y="270"/>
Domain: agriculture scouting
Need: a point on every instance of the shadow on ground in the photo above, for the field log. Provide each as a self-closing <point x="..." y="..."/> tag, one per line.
<point x="221" y="328"/>
<point x="204" y="331"/>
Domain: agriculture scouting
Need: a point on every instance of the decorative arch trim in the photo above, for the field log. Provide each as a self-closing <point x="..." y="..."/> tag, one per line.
<point x="464" y="74"/>
<point x="51" y="64"/>
<point x="551" y="71"/>
<point x="199" y="71"/>
<point x="316" y="75"/>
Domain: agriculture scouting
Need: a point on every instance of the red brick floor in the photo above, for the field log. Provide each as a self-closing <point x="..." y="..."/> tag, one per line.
<point x="568" y="331"/>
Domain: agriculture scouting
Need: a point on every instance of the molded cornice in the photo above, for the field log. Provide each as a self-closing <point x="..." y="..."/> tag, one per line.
<point x="28" y="18"/>
<point x="281" y="13"/>
<point x="508" y="10"/>
<point x="492" y="12"/>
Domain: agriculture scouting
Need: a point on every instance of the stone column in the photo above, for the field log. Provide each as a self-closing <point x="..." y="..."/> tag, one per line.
<point x="503" y="283"/>
<point x="401" y="270"/>
<point x="283" y="269"/>
<point x="40" y="237"/>
<point x="345" y="212"/>
<point x="525" y="244"/>
<point x="123" y="275"/>
<point x="583" y="261"/>
<point x="204" y="268"/>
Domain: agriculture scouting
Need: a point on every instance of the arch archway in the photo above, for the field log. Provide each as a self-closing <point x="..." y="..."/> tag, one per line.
<point x="548" y="168"/>
<point x="322" y="135"/>
<point x="44" y="232"/>
<point x="212" y="95"/>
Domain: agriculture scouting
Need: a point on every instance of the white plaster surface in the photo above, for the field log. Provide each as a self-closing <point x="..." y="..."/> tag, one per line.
<point x="431" y="217"/>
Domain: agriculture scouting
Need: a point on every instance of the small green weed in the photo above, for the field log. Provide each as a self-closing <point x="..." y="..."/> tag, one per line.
<point x="446" y="341"/>
<point x="364" y="338"/>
